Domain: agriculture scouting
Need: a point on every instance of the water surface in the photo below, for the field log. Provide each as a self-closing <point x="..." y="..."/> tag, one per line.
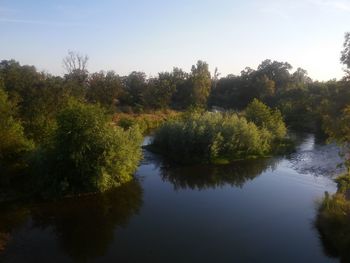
<point x="251" y="211"/>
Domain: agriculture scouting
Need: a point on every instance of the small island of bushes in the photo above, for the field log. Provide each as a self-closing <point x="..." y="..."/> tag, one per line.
<point x="209" y="137"/>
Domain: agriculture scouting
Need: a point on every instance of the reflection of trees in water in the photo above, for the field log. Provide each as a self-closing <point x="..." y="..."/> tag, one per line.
<point x="85" y="226"/>
<point x="333" y="225"/>
<point x="11" y="216"/>
<point x="212" y="176"/>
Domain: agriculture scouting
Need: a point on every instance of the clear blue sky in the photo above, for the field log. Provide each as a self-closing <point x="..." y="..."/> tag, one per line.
<point x="154" y="35"/>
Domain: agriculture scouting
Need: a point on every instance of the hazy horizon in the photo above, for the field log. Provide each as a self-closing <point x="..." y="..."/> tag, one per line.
<point x="153" y="37"/>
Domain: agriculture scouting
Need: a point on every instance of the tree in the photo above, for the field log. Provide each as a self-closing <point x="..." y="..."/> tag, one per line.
<point x="76" y="77"/>
<point x="159" y="92"/>
<point x="13" y="143"/>
<point x="38" y="97"/>
<point x="19" y="82"/>
<point x="345" y="54"/>
<point x="89" y="153"/>
<point x="228" y="93"/>
<point x="104" y="88"/>
<point x="75" y="62"/>
<point x="276" y="71"/>
<point x="134" y="87"/>
<point x="300" y="78"/>
<point x="339" y="130"/>
<point x="267" y="118"/>
<point x="201" y="84"/>
<point x="181" y="81"/>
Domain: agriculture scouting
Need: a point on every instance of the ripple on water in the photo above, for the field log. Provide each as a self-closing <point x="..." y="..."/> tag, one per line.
<point x="315" y="159"/>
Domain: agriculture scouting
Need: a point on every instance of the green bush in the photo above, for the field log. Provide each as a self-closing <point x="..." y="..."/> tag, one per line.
<point x="89" y="153"/>
<point x="343" y="183"/>
<point x="333" y="223"/>
<point x="145" y="121"/>
<point x="265" y="117"/>
<point x="211" y="138"/>
<point x="13" y="143"/>
<point x="333" y="220"/>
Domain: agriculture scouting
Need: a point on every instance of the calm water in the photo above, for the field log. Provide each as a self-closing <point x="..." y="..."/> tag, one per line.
<point x="252" y="211"/>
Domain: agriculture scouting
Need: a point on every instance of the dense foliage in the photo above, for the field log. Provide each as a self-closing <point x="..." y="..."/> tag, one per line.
<point x="33" y="105"/>
<point x="302" y="102"/>
<point x="333" y="220"/>
<point x="266" y="118"/>
<point x="13" y="143"/>
<point x="214" y="137"/>
<point x="89" y="153"/>
<point x="147" y="122"/>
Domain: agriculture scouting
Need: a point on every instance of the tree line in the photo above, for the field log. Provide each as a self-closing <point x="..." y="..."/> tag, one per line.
<point x="303" y="102"/>
<point x="34" y="104"/>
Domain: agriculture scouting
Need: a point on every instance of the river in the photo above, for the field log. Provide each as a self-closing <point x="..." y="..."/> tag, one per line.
<point x="249" y="211"/>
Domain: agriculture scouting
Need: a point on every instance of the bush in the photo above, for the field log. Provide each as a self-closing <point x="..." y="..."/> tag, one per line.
<point x="13" y="143"/>
<point x="89" y="153"/>
<point x="333" y="221"/>
<point x="146" y="121"/>
<point x="343" y="183"/>
<point x="265" y="117"/>
<point x="211" y="138"/>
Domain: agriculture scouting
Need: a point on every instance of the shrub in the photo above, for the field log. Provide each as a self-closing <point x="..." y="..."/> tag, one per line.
<point x="211" y="137"/>
<point x="343" y="183"/>
<point x="13" y="143"/>
<point x="333" y="223"/>
<point x="333" y="220"/>
<point x="265" y="117"/>
<point x="145" y="121"/>
<point x="88" y="153"/>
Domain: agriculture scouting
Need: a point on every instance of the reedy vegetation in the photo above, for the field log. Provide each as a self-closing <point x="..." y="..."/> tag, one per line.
<point x="221" y="137"/>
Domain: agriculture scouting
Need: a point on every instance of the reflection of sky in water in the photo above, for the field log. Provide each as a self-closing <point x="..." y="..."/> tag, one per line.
<point x="147" y="140"/>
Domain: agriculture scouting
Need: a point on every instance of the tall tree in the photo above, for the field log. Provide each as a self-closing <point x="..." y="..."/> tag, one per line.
<point x="104" y="88"/>
<point x="38" y="96"/>
<point x="181" y="96"/>
<point x="75" y="62"/>
<point x="201" y="84"/>
<point x="345" y="54"/>
<point x="159" y="91"/>
<point x="76" y="75"/>
<point x="134" y="86"/>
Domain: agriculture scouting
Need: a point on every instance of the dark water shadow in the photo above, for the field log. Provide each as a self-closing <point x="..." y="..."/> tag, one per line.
<point x="84" y="227"/>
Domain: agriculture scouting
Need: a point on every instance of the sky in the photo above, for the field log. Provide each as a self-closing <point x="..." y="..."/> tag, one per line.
<point x="156" y="35"/>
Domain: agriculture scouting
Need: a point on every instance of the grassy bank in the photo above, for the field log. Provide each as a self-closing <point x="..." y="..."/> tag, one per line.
<point x="333" y="221"/>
